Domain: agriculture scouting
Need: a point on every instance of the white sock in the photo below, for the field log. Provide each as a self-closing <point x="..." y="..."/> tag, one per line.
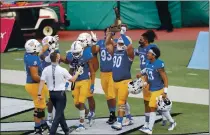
<point x="49" y="114"/>
<point x="82" y="115"/>
<point x="127" y="109"/>
<point x="152" y="119"/>
<point x="168" y="116"/>
<point x="53" y="113"/>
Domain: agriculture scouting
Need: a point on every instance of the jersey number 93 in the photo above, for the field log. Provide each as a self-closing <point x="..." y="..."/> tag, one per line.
<point x="105" y="56"/>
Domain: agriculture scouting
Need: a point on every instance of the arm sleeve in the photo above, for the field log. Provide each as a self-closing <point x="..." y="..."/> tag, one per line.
<point x="44" y="72"/>
<point x="66" y="74"/>
<point x="125" y="39"/>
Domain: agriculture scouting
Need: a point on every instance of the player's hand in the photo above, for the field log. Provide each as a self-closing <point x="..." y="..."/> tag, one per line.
<point x="164" y="95"/>
<point x="138" y="75"/>
<point x="56" y="38"/>
<point x="39" y="97"/>
<point x="92" y="88"/>
<point x="123" y="30"/>
<point x="94" y="37"/>
<point x="80" y="70"/>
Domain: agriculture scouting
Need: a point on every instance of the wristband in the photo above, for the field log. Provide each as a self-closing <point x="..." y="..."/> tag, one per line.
<point x="165" y="90"/>
<point x="125" y="40"/>
<point x="39" y="94"/>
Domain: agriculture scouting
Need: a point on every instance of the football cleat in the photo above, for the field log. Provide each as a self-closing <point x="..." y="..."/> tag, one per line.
<point x="91" y="119"/>
<point x="112" y="118"/>
<point x="38" y="131"/>
<point x="146" y="125"/>
<point x="117" y="125"/>
<point x="128" y="122"/>
<point x="147" y="131"/>
<point x="172" y="126"/>
<point x="81" y="127"/>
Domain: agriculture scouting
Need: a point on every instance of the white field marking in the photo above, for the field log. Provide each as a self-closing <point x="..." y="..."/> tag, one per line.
<point x="192" y="74"/>
<point x="168" y="71"/>
<point x="176" y="93"/>
<point x="19" y="59"/>
<point x="138" y="69"/>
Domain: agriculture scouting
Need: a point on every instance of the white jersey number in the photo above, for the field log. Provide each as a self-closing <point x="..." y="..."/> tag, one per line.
<point x="105" y="56"/>
<point x="150" y="75"/>
<point x="117" y="61"/>
<point x="142" y="60"/>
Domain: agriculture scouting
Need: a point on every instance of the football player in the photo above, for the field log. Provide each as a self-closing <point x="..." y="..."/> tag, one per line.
<point x="81" y="57"/>
<point x="106" y="64"/>
<point x="123" y="55"/>
<point x="158" y="85"/>
<point x="145" y="43"/>
<point x="33" y="69"/>
<point x="88" y="41"/>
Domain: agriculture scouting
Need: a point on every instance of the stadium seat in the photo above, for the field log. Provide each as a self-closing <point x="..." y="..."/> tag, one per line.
<point x="200" y="56"/>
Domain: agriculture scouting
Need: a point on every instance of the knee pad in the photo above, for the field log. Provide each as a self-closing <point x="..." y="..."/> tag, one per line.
<point x="39" y="113"/>
<point x="122" y="108"/>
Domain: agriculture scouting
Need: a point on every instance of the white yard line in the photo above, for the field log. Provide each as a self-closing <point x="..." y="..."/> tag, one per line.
<point x="178" y="94"/>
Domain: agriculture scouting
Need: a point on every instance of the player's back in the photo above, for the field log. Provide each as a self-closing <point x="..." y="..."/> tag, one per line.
<point x="106" y="62"/>
<point x="154" y="78"/>
<point x="142" y="51"/>
<point x="29" y="61"/>
<point x="82" y="61"/>
<point x="121" y="66"/>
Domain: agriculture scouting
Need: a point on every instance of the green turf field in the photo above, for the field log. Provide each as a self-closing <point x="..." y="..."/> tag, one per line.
<point x="175" y="54"/>
<point x="194" y="118"/>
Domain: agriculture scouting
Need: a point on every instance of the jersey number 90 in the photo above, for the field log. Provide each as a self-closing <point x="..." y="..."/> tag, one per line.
<point x="105" y="56"/>
<point x="117" y="61"/>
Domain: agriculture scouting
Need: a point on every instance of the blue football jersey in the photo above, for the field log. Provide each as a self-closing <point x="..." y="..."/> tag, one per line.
<point x="154" y="78"/>
<point x="30" y="61"/>
<point x="121" y="66"/>
<point x="142" y="52"/>
<point x="82" y="61"/>
<point x="106" y="62"/>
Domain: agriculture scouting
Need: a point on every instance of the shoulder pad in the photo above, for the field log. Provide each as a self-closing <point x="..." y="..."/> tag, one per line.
<point x="88" y="53"/>
<point x="160" y="64"/>
<point x="99" y="43"/>
<point x="33" y="60"/>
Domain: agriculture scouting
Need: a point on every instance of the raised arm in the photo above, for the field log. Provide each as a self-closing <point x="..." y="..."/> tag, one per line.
<point x="109" y="42"/>
<point x="128" y="43"/>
